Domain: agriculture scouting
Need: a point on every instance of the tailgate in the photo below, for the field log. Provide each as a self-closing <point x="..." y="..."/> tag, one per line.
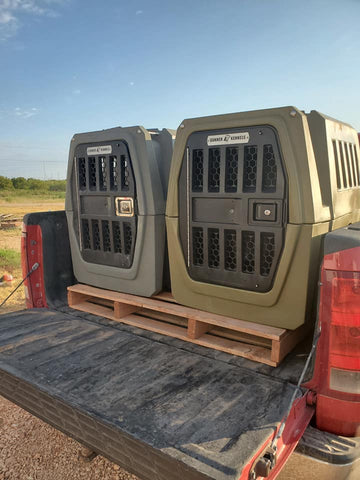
<point x="156" y="409"/>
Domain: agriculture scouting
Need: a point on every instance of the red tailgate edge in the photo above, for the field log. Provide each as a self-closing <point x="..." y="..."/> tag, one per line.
<point x="31" y="253"/>
<point x="298" y="419"/>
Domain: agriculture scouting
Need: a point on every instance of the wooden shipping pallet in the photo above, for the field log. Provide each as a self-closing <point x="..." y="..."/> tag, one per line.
<point x="8" y="221"/>
<point x="161" y="314"/>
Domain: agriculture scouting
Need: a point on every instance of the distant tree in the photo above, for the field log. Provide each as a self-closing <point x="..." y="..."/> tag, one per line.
<point x="20" y="183"/>
<point x="36" y="184"/>
<point x="5" y="183"/>
<point x="57" y="185"/>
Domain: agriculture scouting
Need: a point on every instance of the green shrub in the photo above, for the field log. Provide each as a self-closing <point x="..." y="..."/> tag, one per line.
<point x="9" y="260"/>
<point x="5" y="183"/>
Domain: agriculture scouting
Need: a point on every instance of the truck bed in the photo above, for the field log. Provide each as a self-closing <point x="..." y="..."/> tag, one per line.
<point x="157" y="406"/>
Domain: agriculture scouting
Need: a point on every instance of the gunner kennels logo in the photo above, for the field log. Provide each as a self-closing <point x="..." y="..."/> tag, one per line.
<point x="228" y="138"/>
<point x="99" y="150"/>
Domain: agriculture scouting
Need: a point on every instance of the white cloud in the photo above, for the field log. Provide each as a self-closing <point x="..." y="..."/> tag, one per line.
<point x="6" y="17"/>
<point x="139" y="12"/>
<point x="8" y="25"/>
<point x="131" y="84"/>
<point x="76" y="92"/>
<point x="22" y="113"/>
<point x="12" y="10"/>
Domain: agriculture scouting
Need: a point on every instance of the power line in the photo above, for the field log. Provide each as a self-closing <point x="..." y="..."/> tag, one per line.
<point x="41" y="161"/>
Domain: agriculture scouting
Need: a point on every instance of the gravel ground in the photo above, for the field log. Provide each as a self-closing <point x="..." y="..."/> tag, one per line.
<point x="32" y="450"/>
<point x="11" y="239"/>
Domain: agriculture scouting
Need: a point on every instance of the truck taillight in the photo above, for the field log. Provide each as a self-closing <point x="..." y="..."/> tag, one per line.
<point x="344" y="345"/>
<point x="337" y="367"/>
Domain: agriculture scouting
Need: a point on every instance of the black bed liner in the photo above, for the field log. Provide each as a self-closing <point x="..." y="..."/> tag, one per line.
<point x="156" y="406"/>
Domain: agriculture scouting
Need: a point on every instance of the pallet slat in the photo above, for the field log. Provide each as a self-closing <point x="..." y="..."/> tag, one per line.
<point x="162" y="315"/>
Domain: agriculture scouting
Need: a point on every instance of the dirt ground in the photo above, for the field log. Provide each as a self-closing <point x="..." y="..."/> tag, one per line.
<point x="29" y="448"/>
<point x="22" y="208"/>
<point x="32" y="450"/>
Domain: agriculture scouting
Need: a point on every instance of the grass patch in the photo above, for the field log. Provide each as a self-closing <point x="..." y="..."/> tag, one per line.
<point x="10" y="262"/>
<point x="9" y="259"/>
<point x="21" y="207"/>
<point x="16" y="196"/>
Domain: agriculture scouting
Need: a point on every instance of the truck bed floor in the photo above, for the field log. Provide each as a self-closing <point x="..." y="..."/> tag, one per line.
<point x="159" y="410"/>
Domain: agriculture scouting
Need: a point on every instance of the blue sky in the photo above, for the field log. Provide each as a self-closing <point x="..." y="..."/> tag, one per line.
<point x="71" y="66"/>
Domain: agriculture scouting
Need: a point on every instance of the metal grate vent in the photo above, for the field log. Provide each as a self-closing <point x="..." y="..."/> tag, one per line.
<point x="248" y="252"/>
<point x="214" y="170"/>
<point x="250" y="169"/>
<point x="351" y="165"/>
<point x="232" y="204"/>
<point x="267" y="252"/>
<point x="113" y="173"/>
<point x="102" y="173"/>
<point x="197" y="170"/>
<point x="356" y="161"/>
<point x="117" y="236"/>
<point x="346" y="165"/>
<point x="128" y="238"/>
<point x="82" y="173"/>
<point x="345" y="173"/>
<point x="269" y="170"/>
<point x="106" y="236"/>
<point x="198" y="246"/>
<point x="92" y="173"/>
<point x="213" y="248"/>
<point x="337" y="166"/>
<point x="230" y="253"/>
<point x="86" y="234"/>
<point x="124" y="173"/>
<point x="231" y="169"/>
<point x="96" y="235"/>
